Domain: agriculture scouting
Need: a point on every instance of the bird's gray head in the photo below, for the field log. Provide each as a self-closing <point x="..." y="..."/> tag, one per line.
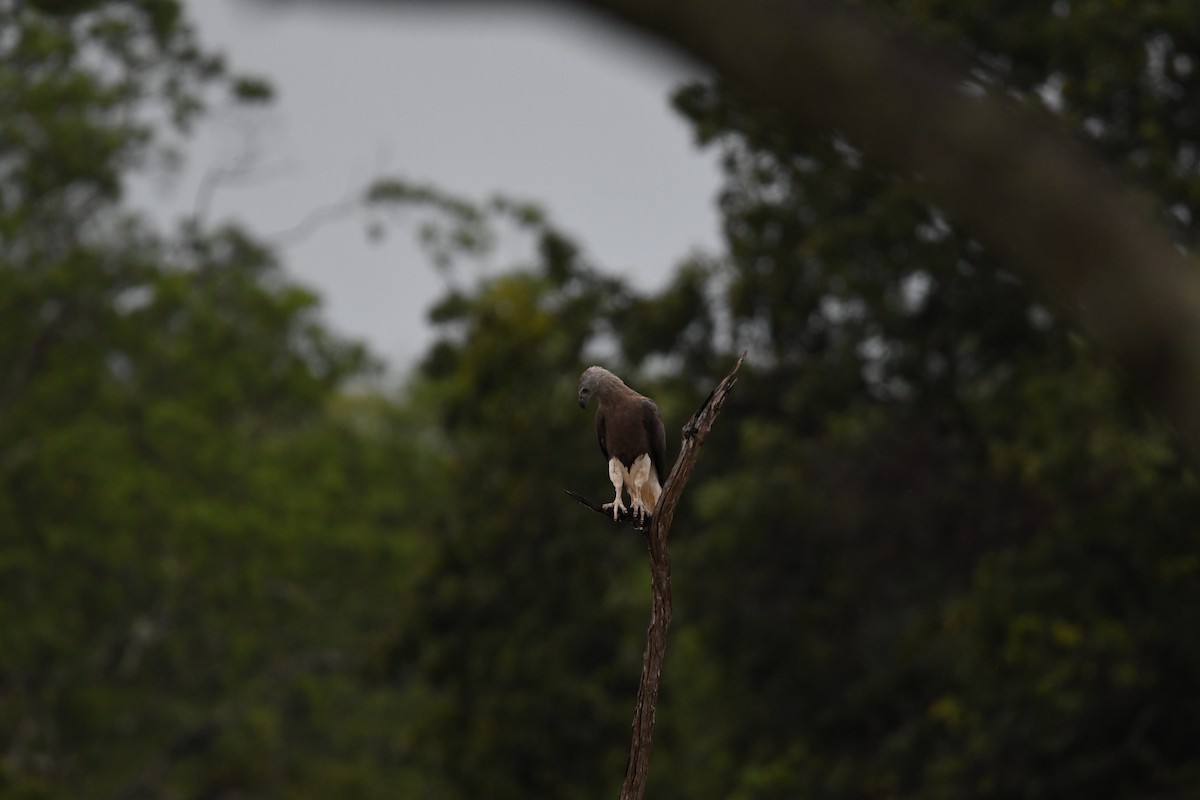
<point x="596" y="381"/>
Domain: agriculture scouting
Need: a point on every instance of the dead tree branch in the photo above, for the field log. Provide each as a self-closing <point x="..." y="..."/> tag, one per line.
<point x="694" y="433"/>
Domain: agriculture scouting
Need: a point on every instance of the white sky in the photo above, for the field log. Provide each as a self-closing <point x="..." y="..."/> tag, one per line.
<point x="539" y="107"/>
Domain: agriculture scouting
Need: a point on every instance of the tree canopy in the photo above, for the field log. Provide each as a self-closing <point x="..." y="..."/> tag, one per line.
<point x="936" y="548"/>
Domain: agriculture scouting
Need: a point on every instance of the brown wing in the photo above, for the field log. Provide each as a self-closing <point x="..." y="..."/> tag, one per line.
<point x="656" y="437"/>
<point x="600" y="433"/>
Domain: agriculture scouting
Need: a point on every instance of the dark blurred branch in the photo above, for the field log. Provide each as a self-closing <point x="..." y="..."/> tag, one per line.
<point x="694" y="433"/>
<point x="1014" y="181"/>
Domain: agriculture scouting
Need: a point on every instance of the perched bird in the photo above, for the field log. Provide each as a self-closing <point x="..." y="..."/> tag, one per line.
<point x="632" y="438"/>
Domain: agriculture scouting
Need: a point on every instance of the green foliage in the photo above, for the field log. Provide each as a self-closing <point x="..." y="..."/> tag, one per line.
<point x="196" y="544"/>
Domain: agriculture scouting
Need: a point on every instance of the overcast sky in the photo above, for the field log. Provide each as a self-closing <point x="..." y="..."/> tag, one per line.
<point x="542" y="107"/>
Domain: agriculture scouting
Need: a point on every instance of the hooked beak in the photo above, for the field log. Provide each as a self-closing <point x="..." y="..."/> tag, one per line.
<point x="582" y="402"/>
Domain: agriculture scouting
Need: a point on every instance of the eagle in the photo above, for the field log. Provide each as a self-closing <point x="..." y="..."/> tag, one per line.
<point x="632" y="439"/>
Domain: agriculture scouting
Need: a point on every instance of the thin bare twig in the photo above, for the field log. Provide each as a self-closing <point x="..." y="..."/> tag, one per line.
<point x="245" y="170"/>
<point x="317" y="218"/>
<point x="623" y="517"/>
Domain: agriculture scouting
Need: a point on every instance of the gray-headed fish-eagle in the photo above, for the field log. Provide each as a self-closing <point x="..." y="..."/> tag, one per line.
<point x="632" y="438"/>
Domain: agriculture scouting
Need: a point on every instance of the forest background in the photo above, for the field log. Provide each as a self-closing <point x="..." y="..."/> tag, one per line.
<point x="934" y="548"/>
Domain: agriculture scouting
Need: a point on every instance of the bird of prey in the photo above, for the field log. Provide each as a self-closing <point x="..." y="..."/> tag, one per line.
<point x="632" y="438"/>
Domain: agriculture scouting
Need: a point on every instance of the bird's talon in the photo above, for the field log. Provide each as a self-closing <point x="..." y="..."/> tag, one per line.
<point x="618" y="508"/>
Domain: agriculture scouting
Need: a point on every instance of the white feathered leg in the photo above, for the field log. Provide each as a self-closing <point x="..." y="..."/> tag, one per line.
<point x="651" y="492"/>
<point x="640" y="477"/>
<point x="616" y="475"/>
